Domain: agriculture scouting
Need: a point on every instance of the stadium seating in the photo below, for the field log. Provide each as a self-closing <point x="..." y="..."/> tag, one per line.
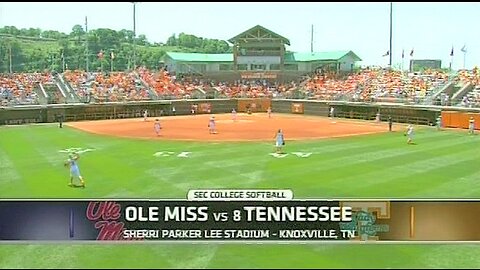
<point x="107" y="87"/>
<point x="19" y="88"/>
<point x="471" y="99"/>
<point x="367" y="85"/>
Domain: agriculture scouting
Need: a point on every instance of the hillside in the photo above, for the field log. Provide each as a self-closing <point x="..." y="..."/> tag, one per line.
<point x="36" y="50"/>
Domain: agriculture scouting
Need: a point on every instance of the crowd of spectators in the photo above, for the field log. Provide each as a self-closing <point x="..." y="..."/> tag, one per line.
<point x="471" y="99"/>
<point x="107" y="87"/>
<point x="376" y="85"/>
<point x="365" y="85"/>
<point x="20" y="88"/>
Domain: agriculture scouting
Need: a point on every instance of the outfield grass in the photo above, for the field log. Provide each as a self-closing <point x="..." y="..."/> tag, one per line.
<point x="442" y="165"/>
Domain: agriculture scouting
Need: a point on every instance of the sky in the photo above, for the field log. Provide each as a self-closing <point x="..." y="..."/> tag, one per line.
<point x="431" y="29"/>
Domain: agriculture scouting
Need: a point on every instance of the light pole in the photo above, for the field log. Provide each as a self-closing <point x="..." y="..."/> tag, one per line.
<point x="86" y="44"/>
<point x="10" y="57"/>
<point x="134" y="37"/>
<point x="391" y="22"/>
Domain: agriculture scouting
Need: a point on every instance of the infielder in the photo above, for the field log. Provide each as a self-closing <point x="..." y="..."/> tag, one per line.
<point x="279" y="141"/>
<point x="145" y="115"/>
<point x="211" y="125"/>
<point x="157" y="127"/>
<point x="234" y="115"/>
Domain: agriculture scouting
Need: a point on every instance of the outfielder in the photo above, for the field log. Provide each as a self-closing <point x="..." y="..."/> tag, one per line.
<point x="471" y="125"/>
<point x="74" y="170"/>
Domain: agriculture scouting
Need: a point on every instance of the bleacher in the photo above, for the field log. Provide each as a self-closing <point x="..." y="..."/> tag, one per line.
<point x="368" y="85"/>
<point x="21" y="88"/>
<point x="471" y="98"/>
<point x="107" y="87"/>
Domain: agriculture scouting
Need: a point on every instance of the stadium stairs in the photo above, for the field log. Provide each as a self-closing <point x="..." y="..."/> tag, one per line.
<point x="466" y="88"/>
<point x="447" y="88"/>
<point x="70" y="95"/>
<point x="41" y="94"/>
<point x="152" y="93"/>
<point x="433" y="94"/>
<point x="472" y="94"/>
<point x="53" y="94"/>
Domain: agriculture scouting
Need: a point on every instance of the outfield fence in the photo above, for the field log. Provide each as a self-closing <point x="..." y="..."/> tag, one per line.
<point x="415" y="114"/>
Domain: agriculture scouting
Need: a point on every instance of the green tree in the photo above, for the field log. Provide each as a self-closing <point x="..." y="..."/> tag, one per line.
<point x="37" y="50"/>
<point x="172" y="41"/>
<point x="77" y="32"/>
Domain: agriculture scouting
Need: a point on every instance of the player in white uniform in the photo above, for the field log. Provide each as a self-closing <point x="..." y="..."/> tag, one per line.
<point x="439" y="122"/>
<point x="157" y="126"/>
<point x="409" y="134"/>
<point x="145" y="115"/>
<point x="332" y="112"/>
<point x="279" y="141"/>
<point x="471" y="125"/>
<point x="74" y="170"/>
<point x="211" y="125"/>
<point x="269" y="111"/>
<point x="234" y="115"/>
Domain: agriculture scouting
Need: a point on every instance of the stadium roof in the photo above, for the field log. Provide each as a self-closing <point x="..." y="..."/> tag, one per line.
<point x="200" y="57"/>
<point x="319" y="56"/>
<point x="289" y="57"/>
<point x="259" y="32"/>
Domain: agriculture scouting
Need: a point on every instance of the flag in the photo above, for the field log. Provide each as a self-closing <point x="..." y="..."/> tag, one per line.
<point x="451" y="52"/>
<point x="100" y="55"/>
<point x="411" y="53"/>
<point x="464" y="48"/>
<point x="386" y="54"/>
<point x="403" y="53"/>
<point x="112" y="56"/>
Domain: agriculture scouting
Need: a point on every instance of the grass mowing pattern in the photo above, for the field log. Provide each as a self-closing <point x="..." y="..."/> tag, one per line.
<point x="442" y="165"/>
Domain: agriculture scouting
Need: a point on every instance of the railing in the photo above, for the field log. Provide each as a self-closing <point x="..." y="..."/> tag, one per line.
<point x="70" y="94"/>
<point x="61" y="90"/>
<point x="153" y="94"/>
<point x="462" y="91"/>
<point x="430" y="97"/>
<point x="43" y="90"/>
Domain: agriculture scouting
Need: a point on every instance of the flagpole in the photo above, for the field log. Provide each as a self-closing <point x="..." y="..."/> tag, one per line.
<point x="451" y="64"/>
<point x="63" y="61"/>
<point x="111" y="61"/>
<point x="464" y="58"/>
<point x="451" y="60"/>
<point x="410" y="67"/>
<point x="403" y="57"/>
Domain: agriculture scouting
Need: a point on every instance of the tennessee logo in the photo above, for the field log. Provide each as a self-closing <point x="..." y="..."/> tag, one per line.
<point x="76" y="150"/>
